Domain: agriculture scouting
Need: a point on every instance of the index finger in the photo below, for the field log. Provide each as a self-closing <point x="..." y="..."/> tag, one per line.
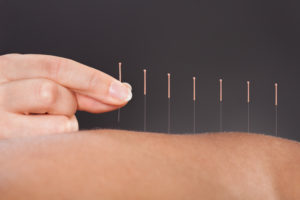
<point x="71" y="74"/>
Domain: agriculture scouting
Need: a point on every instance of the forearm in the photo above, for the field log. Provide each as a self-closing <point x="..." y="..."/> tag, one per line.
<point x="130" y="165"/>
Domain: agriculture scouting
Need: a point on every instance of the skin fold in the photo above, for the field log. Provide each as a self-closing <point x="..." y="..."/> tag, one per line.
<point x="117" y="164"/>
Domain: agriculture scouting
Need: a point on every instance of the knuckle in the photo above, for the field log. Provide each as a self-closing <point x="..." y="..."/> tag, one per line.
<point x="47" y="93"/>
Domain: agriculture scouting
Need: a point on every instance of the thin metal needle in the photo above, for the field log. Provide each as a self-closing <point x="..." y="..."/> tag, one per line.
<point x="120" y="79"/>
<point x="194" y="101"/>
<point x="276" y="109"/>
<point x="169" y="102"/>
<point x="145" y="98"/>
<point x="221" y="102"/>
<point x="248" y="104"/>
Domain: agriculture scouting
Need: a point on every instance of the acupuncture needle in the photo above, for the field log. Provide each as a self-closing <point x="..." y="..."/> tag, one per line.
<point x="169" y="102"/>
<point x="276" y="109"/>
<point x="221" y="102"/>
<point x="248" y="104"/>
<point x="194" y="102"/>
<point x="120" y="79"/>
<point x="145" y="98"/>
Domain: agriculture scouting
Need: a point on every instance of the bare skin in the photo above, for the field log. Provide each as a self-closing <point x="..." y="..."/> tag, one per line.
<point x="114" y="164"/>
<point x="39" y="95"/>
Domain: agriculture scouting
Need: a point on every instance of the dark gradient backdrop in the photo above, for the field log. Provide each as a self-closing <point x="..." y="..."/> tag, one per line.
<point x="238" y="40"/>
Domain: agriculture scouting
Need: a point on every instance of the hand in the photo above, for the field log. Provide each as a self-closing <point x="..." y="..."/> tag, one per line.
<point x="40" y="94"/>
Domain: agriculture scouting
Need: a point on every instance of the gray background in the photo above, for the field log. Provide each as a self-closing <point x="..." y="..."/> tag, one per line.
<point x="237" y="40"/>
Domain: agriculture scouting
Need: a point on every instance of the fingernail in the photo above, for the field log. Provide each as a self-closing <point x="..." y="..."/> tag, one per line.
<point x="127" y="85"/>
<point x="120" y="91"/>
<point x="72" y="124"/>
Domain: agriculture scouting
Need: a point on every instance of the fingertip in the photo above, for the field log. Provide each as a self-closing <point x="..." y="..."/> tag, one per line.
<point x="48" y="92"/>
<point x="120" y="92"/>
<point x="127" y="85"/>
<point x="72" y="124"/>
